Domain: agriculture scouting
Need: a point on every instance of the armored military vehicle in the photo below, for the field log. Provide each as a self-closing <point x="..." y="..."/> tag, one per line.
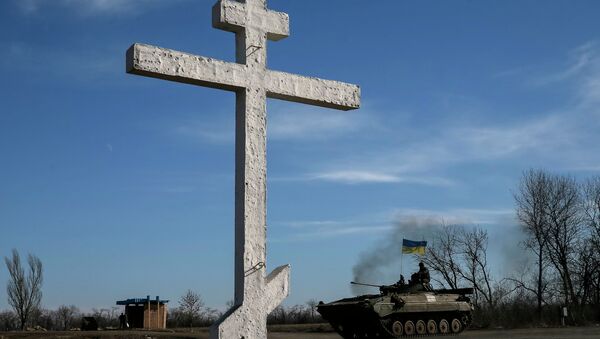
<point x="400" y="310"/>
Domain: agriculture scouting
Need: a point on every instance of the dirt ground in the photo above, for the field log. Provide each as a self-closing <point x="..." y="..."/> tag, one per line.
<point x="284" y="333"/>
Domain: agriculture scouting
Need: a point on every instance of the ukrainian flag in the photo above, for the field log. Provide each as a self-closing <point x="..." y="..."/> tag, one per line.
<point x="410" y="246"/>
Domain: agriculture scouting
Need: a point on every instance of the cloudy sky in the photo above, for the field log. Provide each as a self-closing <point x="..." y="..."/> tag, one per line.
<point x="123" y="185"/>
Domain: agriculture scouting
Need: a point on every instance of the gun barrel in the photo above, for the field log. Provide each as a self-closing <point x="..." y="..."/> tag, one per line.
<point x="357" y="283"/>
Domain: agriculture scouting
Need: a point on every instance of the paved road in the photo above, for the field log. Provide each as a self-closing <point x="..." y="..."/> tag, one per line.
<point x="548" y="333"/>
<point x="532" y="333"/>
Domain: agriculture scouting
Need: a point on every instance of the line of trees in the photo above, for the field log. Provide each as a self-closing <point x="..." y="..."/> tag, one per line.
<point x="560" y="218"/>
<point x="24" y="291"/>
<point x="192" y="312"/>
<point x="64" y="318"/>
<point x="24" y="294"/>
<point x="297" y="314"/>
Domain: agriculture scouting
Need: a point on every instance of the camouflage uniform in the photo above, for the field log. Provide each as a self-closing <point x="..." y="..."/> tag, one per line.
<point x="423" y="274"/>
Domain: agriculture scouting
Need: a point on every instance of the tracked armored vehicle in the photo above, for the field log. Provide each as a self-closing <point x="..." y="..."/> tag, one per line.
<point x="400" y="310"/>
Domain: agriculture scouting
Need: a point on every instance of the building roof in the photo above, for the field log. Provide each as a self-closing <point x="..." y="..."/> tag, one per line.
<point x="139" y="301"/>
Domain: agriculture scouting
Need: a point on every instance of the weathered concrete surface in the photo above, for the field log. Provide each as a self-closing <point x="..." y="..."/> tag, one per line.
<point x="256" y="294"/>
<point x="235" y="17"/>
<point x="187" y="68"/>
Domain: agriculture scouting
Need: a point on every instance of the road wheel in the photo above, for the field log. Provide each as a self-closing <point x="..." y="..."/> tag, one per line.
<point x="444" y="327"/>
<point x="456" y="326"/>
<point x="409" y="328"/>
<point x="420" y="327"/>
<point x="465" y="320"/>
<point x="431" y="327"/>
<point x="397" y="329"/>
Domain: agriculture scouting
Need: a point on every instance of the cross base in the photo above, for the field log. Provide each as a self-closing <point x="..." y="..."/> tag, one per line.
<point x="249" y="319"/>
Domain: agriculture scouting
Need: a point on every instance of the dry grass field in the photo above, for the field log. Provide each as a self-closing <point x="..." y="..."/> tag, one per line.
<point x="311" y="332"/>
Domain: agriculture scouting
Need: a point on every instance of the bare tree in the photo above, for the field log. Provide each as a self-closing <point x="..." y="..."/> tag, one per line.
<point x="442" y="256"/>
<point x="474" y="250"/>
<point x="564" y="218"/>
<point x="586" y="272"/>
<point x="24" y="290"/>
<point x="312" y="306"/>
<point x="591" y="208"/>
<point x="531" y="201"/>
<point x="591" y="215"/>
<point x="191" y="305"/>
<point x="279" y="315"/>
<point x="65" y="315"/>
<point x="8" y="321"/>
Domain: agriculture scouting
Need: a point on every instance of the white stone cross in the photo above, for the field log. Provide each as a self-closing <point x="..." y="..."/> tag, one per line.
<point x="256" y="294"/>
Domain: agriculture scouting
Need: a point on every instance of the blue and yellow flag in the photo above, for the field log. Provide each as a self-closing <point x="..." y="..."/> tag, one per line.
<point x="410" y="246"/>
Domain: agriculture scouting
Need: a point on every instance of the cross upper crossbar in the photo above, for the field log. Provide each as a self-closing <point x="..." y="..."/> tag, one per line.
<point x="182" y="67"/>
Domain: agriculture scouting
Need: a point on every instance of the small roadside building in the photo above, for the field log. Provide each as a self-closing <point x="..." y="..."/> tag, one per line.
<point x="145" y="312"/>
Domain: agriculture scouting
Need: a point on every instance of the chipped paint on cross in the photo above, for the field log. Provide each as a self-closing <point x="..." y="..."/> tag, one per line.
<point x="256" y="294"/>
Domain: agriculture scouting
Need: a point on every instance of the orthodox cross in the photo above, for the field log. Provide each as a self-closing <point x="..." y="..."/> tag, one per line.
<point x="256" y="294"/>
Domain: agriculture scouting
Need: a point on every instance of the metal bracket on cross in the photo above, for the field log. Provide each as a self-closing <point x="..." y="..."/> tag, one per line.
<point x="256" y="294"/>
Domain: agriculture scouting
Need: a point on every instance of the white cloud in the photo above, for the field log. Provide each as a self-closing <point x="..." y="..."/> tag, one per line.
<point x="585" y="70"/>
<point x="28" y="6"/>
<point x="319" y="229"/>
<point x="206" y="131"/>
<point x="312" y="223"/>
<point x="358" y="177"/>
<point x="376" y="230"/>
<point x="501" y="216"/>
<point x="378" y="224"/>
<point x="579" y="59"/>
<point x="313" y="123"/>
<point x="284" y="123"/>
<point x="584" y="168"/>
<point x="579" y="74"/>
<point x="87" y="65"/>
<point x="91" y="7"/>
<point x="501" y="141"/>
<point x="424" y="160"/>
<point x="590" y="91"/>
<point x="582" y="69"/>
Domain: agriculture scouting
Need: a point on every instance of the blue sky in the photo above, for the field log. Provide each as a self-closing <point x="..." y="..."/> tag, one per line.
<point x="123" y="185"/>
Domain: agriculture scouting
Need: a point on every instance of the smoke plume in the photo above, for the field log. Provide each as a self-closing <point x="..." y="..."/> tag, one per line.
<point x="381" y="264"/>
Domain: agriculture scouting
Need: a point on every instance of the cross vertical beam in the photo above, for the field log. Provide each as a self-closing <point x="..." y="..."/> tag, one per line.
<point x="256" y="294"/>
